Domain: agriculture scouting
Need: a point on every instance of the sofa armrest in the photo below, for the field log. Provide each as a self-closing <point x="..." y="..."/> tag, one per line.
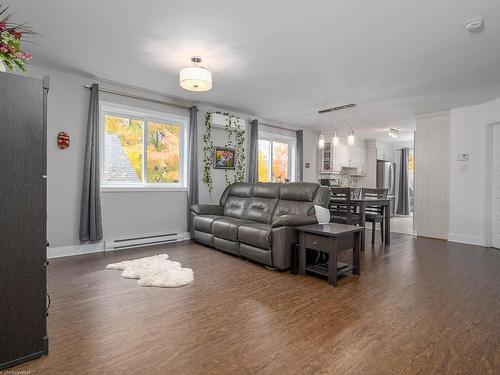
<point x="290" y="220"/>
<point x="207" y="209"/>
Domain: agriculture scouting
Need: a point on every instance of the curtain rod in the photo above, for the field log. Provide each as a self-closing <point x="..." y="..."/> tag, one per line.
<point x="132" y="96"/>
<point x="277" y="127"/>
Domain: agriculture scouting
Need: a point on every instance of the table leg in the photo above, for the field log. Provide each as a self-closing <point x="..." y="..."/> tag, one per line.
<point x="387" y="218"/>
<point x="362" y="224"/>
<point x="302" y="253"/>
<point x="332" y="261"/>
<point x="356" y="259"/>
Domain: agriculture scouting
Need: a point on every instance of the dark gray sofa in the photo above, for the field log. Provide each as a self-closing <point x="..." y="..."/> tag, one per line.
<point x="256" y="221"/>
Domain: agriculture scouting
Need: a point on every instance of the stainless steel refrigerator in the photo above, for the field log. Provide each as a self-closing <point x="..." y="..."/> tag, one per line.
<point x="386" y="179"/>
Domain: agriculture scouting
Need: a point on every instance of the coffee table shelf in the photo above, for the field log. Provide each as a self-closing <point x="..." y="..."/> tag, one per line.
<point x="329" y="238"/>
<point x="322" y="268"/>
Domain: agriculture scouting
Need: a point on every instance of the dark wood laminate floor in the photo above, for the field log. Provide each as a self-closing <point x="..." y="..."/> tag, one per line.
<point x="420" y="306"/>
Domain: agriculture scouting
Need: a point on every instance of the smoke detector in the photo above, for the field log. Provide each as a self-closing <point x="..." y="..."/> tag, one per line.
<point x="474" y="25"/>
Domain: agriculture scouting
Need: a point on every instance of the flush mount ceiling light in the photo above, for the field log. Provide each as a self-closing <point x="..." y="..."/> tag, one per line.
<point x="196" y="77"/>
<point x="474" y="25"/>
<point x="393" y="132"/>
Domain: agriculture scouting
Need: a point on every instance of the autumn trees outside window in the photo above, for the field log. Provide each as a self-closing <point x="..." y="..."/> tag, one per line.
<point x="275" y="159"/>
<point x="142" y="149"/>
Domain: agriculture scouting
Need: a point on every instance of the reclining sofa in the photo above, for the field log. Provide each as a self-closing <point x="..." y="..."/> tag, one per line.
<point x="256" y="221"/>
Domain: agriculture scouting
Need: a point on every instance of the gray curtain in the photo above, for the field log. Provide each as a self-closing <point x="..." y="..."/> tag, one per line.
<point x="299" y="162"/>
<point x="404" y="188"/>
<point x="192" y="183"/>
<point x="253" y="152"/>
<point x="90" y="210"/>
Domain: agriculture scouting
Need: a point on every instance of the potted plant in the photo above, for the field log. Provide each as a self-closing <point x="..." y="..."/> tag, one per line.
<point x="11" y="35"/>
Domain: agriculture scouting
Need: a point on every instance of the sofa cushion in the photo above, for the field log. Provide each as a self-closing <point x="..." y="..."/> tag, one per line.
<point x="241" y="189"/>
<point x="227" y="246"/>
<point x="204" y="238"/>
<point x="298" y="191"/>
<point x="227" y="227"/>
<point x="258" y="235"/>
<point x="260" y="209"/>
<point x="235" y="206"/>
<point x="286" y="207"/>
<point x="203" y="223"/>
<point x="256" y="254"/>
<point x="267" y="190"/>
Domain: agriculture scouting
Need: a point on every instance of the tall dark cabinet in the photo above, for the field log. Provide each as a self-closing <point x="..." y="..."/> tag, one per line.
<point x="23" y="252"/>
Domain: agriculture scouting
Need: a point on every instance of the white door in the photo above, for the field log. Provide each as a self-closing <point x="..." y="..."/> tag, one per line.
<point x="495" y="220"/>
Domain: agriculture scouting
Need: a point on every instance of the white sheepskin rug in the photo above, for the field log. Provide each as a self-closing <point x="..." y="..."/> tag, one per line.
<point x="156" y="270"/>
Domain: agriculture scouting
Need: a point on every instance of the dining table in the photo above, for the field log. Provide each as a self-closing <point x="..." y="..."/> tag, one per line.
<point x="361" y="204"/>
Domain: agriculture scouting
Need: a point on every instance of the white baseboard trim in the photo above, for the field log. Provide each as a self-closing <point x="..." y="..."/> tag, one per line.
<point x="66" y="251"/>
<point x="470" y="240"/>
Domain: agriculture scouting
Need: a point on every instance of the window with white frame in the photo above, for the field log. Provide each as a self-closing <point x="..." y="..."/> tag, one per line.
<point x="275" y="158"/>
<point x="142" y="149"/>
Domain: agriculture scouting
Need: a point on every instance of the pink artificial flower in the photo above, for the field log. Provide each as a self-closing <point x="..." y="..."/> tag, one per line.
<point x="2" y="27"/>
<point x="4" y="49"/>
<point x="28" y="56"/>
<point x="15" y="34"/>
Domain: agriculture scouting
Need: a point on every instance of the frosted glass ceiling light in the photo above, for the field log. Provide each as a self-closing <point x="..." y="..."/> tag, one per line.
<point x="321" y="142"/>
<point x="350" y="138"/>
<point x="195" y="78"/>
<point x="335" y="139"/>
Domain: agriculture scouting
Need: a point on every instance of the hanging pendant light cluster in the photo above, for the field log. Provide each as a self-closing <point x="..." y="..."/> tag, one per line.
<point x="351" y="140"/>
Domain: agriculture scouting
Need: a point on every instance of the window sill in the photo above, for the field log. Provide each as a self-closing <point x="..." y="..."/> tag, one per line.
<point x="125" y="189"/>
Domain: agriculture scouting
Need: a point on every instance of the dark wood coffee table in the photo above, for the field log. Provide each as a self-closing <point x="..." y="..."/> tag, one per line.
<point x="330" y="238"/>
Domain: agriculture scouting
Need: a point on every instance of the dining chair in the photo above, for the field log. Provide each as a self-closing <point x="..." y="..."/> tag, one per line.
<point x="341" y="209"/>
<point x="324" y="182"/>
<point x="374" y="214"/>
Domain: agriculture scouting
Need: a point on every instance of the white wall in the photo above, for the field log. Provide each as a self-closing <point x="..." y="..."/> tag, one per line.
<point x="469" y="183"/>
<point x="432" y="160"/>
<point x="124" y="214"/>
<point x="310" y="155"/>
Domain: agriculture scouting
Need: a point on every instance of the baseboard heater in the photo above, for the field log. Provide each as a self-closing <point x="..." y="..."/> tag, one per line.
<point x="144" y="241"/>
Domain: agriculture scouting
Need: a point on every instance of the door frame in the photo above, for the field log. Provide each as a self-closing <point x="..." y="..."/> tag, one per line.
<point x="489" y="184"/>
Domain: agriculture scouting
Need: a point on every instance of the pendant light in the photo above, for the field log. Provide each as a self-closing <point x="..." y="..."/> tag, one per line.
<point x="196" y="77"/>
<point x="321" y="142"/>
<point x="335" y="139"/>
<point x="350" y="138"/>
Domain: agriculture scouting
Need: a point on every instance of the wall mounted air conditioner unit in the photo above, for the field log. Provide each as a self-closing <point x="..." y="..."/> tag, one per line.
<point x="219" y="120"/>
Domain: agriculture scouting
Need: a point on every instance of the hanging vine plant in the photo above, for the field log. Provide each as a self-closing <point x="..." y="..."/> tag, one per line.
<point x="207" y="154"/>
<point x="235" y="139"/>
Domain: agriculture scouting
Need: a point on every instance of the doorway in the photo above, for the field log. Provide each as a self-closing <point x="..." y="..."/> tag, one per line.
<point x="403" y="222"/>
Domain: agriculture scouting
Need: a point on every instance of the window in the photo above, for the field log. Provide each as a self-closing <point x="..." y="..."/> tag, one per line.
<point x="142" y="150"/>
<point x="275" y="159"/>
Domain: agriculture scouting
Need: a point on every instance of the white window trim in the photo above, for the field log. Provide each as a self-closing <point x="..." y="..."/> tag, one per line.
<point x="146" y="115"/>
<point x="292" y="143"/>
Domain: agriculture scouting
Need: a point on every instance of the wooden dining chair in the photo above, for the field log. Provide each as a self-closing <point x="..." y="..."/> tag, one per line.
<point x="374" y="214"/>
<point x="342" y="212"/>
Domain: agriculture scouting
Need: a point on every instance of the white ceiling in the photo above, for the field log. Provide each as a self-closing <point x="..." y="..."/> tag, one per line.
<point x="284" y="60"/>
